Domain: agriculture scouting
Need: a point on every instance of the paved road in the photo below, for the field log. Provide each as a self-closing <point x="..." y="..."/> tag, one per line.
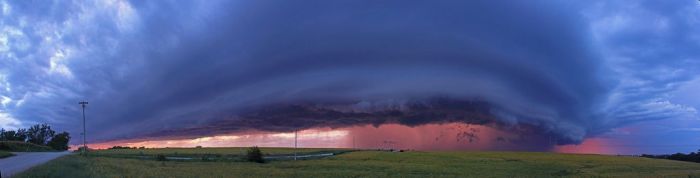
<point x="25" y="160"/>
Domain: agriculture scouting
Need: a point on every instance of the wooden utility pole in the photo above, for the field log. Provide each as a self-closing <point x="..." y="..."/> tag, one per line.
<point x="84" y="150"/>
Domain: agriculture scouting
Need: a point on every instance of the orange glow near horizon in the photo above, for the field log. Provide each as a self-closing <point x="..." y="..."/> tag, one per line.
<point x="450" y="136"/>
<point x="319" y="137"/>
<point x="588" y="146"/>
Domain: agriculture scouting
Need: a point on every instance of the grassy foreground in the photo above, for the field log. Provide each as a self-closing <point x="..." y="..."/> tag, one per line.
<point x="5" y="154"/>
<point x="372" y="164"/>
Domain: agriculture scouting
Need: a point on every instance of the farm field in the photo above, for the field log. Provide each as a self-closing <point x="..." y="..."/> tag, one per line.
<point x="361" y="164"/>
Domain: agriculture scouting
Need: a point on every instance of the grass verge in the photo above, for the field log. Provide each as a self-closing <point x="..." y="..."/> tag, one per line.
<point x="5" y="154"/>
<point x="16" y="146"/>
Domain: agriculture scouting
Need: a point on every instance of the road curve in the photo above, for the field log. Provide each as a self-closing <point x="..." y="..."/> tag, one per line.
<point x="25" y="160"/>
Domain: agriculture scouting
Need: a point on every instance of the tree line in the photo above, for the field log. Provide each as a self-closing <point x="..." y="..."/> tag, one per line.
<point x="692" y="156"/>
<point x="126" y="147"/>
<point x="39" y="134"/>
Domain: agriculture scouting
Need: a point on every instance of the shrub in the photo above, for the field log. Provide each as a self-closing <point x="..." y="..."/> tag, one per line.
<point x="255" y="155"/>
<point x="209" y="157"/>
<point x="161" y="157"/>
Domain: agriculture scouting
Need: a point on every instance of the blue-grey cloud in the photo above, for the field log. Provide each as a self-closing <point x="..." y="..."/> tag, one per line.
<point x="149" y="68"/>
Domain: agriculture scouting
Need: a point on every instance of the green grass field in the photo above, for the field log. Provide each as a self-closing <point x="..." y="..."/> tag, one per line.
<point x="367" y="164"/>
<point x="5" y="154"/>
<point x="210" y="154"/>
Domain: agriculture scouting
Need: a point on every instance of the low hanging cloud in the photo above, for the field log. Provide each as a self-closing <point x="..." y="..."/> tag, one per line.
<point x="202" y="68"/>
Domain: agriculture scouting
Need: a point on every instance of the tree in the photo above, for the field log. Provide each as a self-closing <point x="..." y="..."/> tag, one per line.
<point x="60" y="141"/>
<point x="20" y="135"/>
<point x="40" y="134"/>
<point x="7" y="135"/>
<point x="2" y="135"/>
<point x="255" y="155"/>
<point x="11" y="135"/>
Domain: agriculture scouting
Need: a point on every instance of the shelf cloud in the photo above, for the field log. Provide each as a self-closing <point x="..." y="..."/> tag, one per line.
<point x="156" y="69"/>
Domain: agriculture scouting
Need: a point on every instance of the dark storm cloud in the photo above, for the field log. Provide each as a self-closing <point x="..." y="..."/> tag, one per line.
<point x="200" y="68"/>
<point x="330" y="52"/>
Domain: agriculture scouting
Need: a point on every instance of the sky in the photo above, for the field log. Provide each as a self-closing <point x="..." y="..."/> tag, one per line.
<point x="554" y="73"/>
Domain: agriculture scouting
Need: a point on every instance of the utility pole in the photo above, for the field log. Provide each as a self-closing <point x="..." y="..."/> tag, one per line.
<point x="295" y="145"/>
<point x="83" y="103"/>
<point x="353" y="142"/>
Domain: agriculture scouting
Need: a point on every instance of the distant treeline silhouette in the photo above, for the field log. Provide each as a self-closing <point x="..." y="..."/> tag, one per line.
<point x="40" y="134"/>
<point x="126" y="147"/>
<point x="691" y="157"/>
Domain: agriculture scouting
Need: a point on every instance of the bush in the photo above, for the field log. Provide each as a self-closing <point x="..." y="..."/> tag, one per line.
<point x="210" y="157"/>
<point x="161" y="157"/>
<point x="255" y="155"/>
